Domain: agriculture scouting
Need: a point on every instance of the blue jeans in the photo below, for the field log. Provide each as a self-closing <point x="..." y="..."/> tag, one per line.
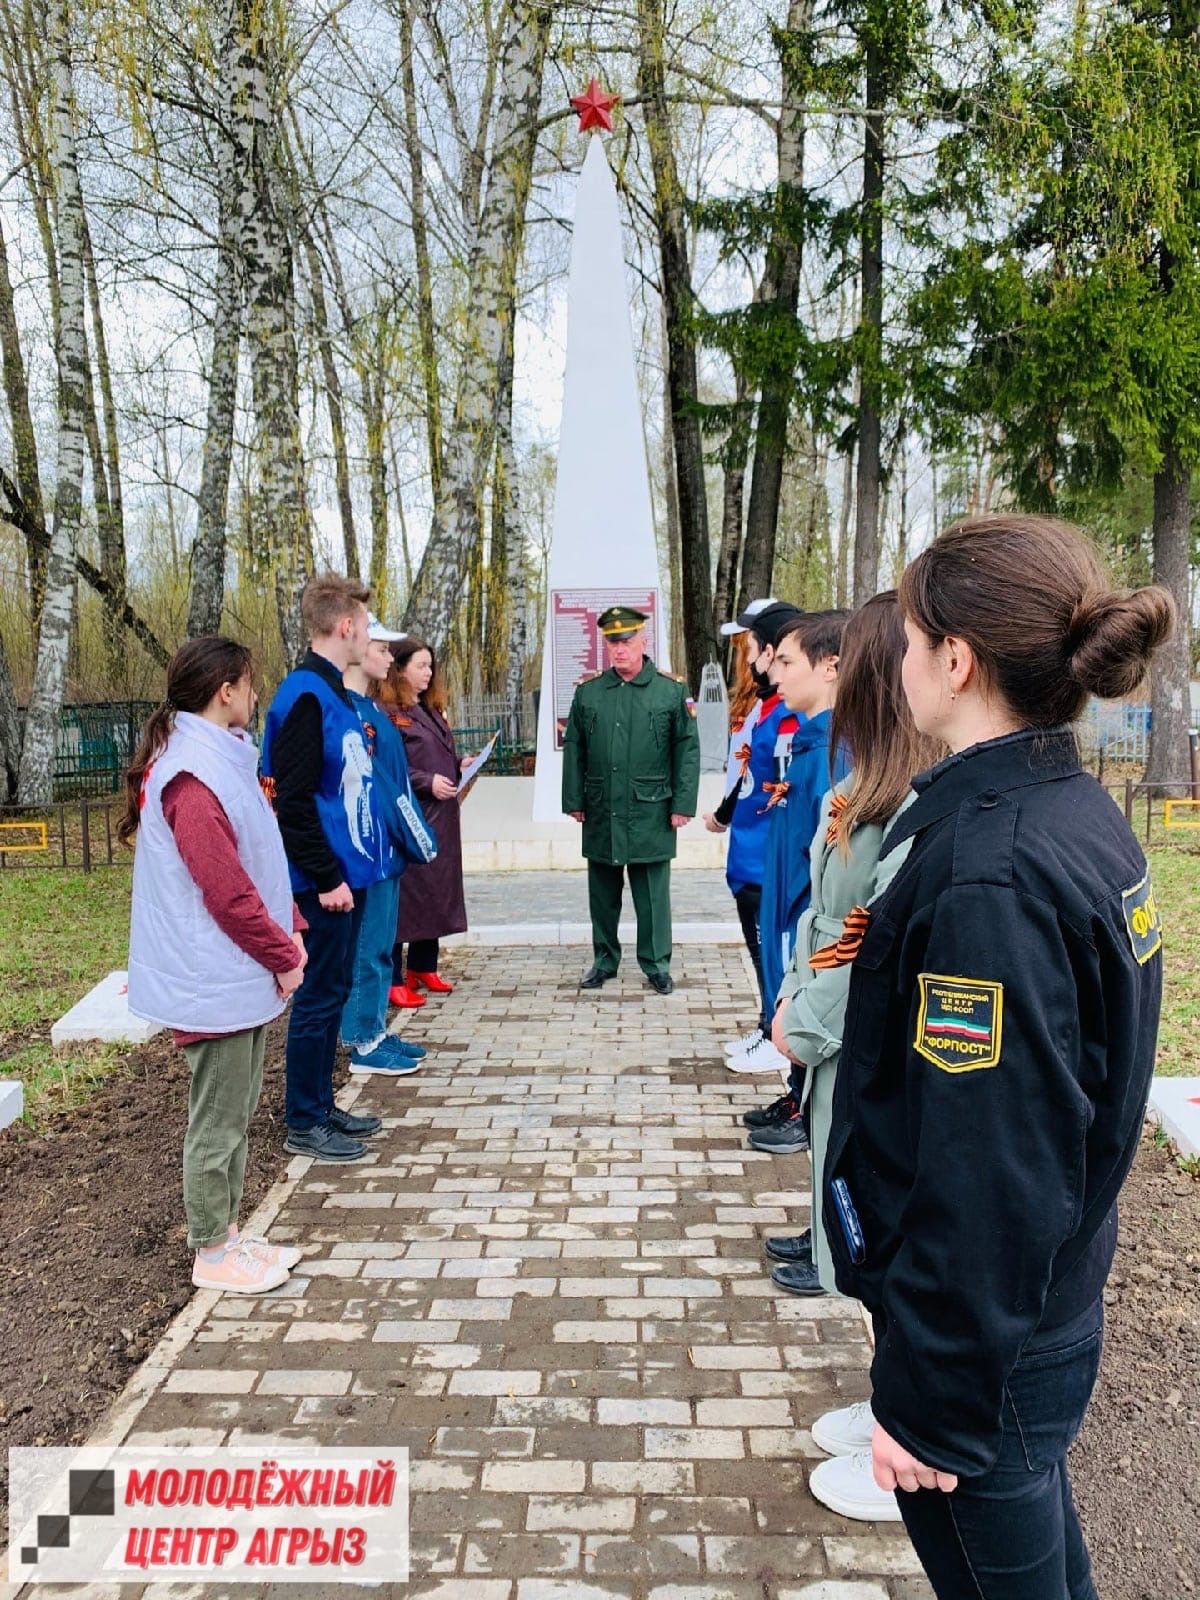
<point x="364" y="1018"/>
<point x="1012" y="1533"/>
<point x="317" y="1008"/>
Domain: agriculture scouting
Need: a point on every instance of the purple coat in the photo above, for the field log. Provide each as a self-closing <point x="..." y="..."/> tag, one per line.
<point x="431" y="896"/>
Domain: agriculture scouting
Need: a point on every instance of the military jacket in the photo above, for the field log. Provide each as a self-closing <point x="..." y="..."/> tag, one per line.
<point x="631" y="758"/>
<point x="999" y="1042"/>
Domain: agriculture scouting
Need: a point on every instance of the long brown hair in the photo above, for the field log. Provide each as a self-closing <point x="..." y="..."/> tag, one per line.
<point x="396" y="693"/>
<point x="1032" y="599"/>
<point x="196" y="672"/>
<point x="745" y="691"/>
<point x="871" y="716"/>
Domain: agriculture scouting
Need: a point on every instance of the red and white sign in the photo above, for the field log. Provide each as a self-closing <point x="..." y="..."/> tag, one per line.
<point x="577" y="643"/>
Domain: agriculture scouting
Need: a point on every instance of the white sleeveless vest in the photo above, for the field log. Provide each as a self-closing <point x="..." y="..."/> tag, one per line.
<point x="184" y="972"/>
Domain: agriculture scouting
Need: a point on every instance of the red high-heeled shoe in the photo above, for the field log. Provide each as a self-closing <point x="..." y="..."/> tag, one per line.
<point x="405" y="996"/>
<point x="432" y="981"/>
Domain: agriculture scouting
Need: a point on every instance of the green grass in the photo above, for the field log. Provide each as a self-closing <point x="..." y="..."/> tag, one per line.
<point x="62" y="931"/>
<point x="1176" y="873"/>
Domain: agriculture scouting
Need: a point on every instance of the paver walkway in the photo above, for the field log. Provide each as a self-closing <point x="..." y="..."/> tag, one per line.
<point x="506" y="897"/>
<point x="547" y="1284"/>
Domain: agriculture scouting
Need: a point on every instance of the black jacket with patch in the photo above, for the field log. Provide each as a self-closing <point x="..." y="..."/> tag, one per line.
<point x="999" y="1045"/>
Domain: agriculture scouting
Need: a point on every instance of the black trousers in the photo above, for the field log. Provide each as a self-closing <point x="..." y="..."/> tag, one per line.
<point x="748" y="899"/>
<point x="422" y="957"/>
<point x="1012" y="1532"/>
<point x="317" y="1009"/>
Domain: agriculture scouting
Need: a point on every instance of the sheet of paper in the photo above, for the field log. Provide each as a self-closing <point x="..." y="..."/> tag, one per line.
<point x="474" y="767"/>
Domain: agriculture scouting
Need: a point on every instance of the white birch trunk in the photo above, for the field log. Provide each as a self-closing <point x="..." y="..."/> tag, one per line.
<point x="260" y="214"/>
<point x="491" y="300"/>
<point x="35" y="786"/>
<point x="208" y="551"/>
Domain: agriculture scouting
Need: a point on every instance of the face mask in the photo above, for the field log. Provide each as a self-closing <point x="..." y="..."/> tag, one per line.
<point x="761" y="680"/>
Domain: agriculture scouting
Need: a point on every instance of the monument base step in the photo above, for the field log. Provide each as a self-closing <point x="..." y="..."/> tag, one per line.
<point x="12" y="1100"/>
<point x="1175" y="1106"/>
<point x="103" y="1014"/>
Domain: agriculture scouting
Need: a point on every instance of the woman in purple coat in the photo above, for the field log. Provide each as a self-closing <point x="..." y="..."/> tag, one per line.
<point x="432" y="902"/>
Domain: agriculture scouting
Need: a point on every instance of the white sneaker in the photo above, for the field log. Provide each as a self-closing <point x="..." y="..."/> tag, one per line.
<point x="238" y="1272"/>
<point x="737" y="1047"/>
<point x="275" y="1255"/>
<point x="846" y="1431"/>
<point x="847" y="1485"/>
<point x="761" y="1056"/>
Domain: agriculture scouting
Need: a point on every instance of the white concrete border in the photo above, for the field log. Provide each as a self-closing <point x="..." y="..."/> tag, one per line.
<point x="1175" y="1107"/>
<point x="12" y="1100"/>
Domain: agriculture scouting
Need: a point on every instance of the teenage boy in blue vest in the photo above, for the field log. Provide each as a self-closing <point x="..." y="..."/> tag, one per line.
<point x="745" y="811"/>
<point x="317" y="768"/>
<point x="805" y="672"/>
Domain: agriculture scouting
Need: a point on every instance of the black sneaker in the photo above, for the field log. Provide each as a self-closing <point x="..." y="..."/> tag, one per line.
<point x="356" y="1127"/>
<point x="771" y="1116"/>
<point x="786" y="1138"/>
<point x="798" y="1277"/>
<point x="793" y="1248"/>
<point x="324" y="1143"/>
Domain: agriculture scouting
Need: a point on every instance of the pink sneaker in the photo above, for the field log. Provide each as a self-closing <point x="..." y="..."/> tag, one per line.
<point x="275" y="1255"/>
<point x="238" y="1272"/>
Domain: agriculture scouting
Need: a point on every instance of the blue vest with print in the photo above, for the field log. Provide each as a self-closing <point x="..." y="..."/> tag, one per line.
<point x="748" y="825"/>
<point x="348" y="804"/>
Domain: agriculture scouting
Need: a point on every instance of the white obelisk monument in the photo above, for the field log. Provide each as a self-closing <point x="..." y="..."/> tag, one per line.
<point x="602" y="548"/>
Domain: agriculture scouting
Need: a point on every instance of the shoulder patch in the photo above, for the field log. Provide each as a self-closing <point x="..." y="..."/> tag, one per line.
<point x="1143" y="921"/>
<point x="960" y="1022"/>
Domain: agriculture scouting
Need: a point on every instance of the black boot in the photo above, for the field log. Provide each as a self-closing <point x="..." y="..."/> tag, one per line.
<point x="595" y="978"/>
<point x="661" y="982"/>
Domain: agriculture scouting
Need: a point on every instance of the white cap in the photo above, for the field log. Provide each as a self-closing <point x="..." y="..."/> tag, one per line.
<point x="742" y="622"/>
<point x="381" y="635"/>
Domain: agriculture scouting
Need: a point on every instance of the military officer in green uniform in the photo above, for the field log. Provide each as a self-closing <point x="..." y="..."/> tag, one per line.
<point x="631" y="770"/>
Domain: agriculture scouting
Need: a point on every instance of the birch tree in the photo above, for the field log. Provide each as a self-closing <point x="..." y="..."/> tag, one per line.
<point x="24" y="439"/>
<point x="36" y="780"/>
<point x="212" y="504"/>
<point x="491" y="305"/>
<point x="254" y="63"/>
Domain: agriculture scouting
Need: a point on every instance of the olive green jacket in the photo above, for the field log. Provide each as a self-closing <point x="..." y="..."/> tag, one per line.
<point x="631" y="758"/>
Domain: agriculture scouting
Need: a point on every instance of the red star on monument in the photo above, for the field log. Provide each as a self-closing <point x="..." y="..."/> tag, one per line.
<point x="595" y="108"/>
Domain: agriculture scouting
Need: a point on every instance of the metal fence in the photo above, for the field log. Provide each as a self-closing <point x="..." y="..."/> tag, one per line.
<point x="1115" y="731"/>
<point x="80" y="836"/>
<point x="95" y="744"/>
<point x="516" y="720"/>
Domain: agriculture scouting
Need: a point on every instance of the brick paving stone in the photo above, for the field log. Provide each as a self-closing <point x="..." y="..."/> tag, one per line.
<point x="547" y="1285"/>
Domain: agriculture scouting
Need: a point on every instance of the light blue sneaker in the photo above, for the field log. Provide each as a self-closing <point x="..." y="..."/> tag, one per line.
<point x="384" y="1060"/>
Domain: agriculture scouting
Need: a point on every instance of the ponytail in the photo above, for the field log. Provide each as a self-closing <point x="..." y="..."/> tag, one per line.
<point x="196" y="673"/>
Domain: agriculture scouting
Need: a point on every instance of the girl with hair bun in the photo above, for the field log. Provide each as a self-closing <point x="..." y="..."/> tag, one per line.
<point x="999" y="1043"/>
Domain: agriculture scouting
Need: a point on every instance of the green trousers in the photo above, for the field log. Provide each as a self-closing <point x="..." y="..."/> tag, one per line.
<point x="650" y="886"/>
<point x="226" y="1083"/>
